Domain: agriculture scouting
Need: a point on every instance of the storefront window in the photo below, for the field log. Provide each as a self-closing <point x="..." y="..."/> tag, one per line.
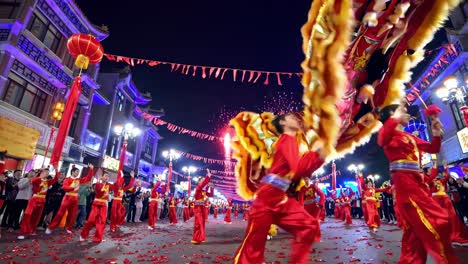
<point x="455" y="109"/>
<point x="25" y="96"/>
<point x="10" y="9"/>
<point x="43" y="30"/>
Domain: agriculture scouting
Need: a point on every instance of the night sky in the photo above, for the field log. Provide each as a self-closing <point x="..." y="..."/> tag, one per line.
<point x="258" y="35"/>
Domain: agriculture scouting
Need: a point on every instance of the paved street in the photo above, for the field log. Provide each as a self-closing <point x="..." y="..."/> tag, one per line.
<point x="171" y="244"/>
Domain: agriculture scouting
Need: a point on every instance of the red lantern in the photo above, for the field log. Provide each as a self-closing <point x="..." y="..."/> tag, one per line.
<point x="464" y="110"/>
<point x="85" y="49"/>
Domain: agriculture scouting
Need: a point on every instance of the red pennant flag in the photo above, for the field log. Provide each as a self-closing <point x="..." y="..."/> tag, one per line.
<point x="153" y="63"/>
<point x="217" y="72"/>
<point x="110" y="57"/>
<point x="266" y="79"/>
<point x="127" y="60"/>
<point x="251" y="76"/>
<point x="183" y="69"/>
<point x="258" y="77"/>
<point x="177" y="67"/>
<point x="224" y="72"/>
<point x="203" y="72"/>
<point x="172" y="67"/>
<point x="234" y="74"/>
<point x="278" y="77"/>
<point x="243" y="76"/>
<point x="194" y="70"/>
<point x="211" y="71"/>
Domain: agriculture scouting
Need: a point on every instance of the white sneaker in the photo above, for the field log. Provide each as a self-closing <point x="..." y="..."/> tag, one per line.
<point x="150" y="228"/>
<point x="268" y="237"/>
<point x="82" y="239"/>
<point x="460" y="244"/>
<point x="20" y="237"/>
<point x="69" y="231"/>
<point x="34" y="234"/>
<point x="375" y="230"/>
<point x="48" y="231"/>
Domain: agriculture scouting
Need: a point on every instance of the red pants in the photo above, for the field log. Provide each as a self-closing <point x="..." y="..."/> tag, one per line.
<point x="32" y="215"/>
<point x="152" y="213"/>
<point x="364" y="211"/>
<point x="322" y="213"/>
<point x="236" y="214"/>
<point x="272" y="206"/>
<point x="199" y="234"/>
<point x="246" y="215"/>
<point x="215" y="213"/>
<point x="97" y="218"/>
<point x="227" y="217"/>
<point x="314" y="211"/>
<point x="426" y="228"/>
<point x="186" y="214"/>
<point x="172" y="215"/>
<point x="346" y="213"/>
<point x="205" y="213"/>
<point x="191" y="212"/>
<point x="117" y="214"/>
<point x="373" y="217"/>
<point x="70" y="205"/>
<point x="458" y="229"/>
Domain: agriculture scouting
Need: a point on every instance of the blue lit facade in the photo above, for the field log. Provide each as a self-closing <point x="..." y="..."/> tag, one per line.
<point x="448" y="64"/>
<point x="124" y="98"/>
<point x="36" y="71"/>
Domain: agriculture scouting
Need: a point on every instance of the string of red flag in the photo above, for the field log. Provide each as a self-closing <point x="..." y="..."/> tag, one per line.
<point x="242" y="75"/>
<point x="175" y="128"/>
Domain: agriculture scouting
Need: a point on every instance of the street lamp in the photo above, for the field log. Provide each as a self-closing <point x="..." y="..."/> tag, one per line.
<point x="189" y="170"/>
<point x="171" y="155"/>
<point x="128" y="132"/>
<point x="356" y="168"/>
<point x="452" y="90"/>
<point x="374" y="177"/>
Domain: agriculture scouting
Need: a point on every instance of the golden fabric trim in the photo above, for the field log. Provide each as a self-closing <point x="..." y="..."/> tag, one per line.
<point x="236" y="258"/>
<point x="429" y="226"/>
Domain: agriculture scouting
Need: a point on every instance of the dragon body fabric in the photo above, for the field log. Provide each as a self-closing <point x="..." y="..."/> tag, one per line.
<point x="358" y="57"/>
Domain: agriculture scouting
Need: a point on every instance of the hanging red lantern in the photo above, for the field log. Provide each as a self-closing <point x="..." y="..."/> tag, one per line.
<point x="85" y="49"/>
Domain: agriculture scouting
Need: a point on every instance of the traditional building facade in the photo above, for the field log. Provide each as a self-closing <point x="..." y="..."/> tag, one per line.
<point x="125" y="101"/>
<point x="36" y="71"/>
<point x="445" y="84"/>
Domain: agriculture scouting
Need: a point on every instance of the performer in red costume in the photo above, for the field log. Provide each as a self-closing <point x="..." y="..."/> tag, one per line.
<point x="337" y="210"/>
<point x="227" y="217"/>
<point x="186" y="210"/>
<point x="369" y="190"/>
<point x="153" y="205"/>
<point x="246" y="211"/>
<point x="459" y="236"/>
<point x="199" y="234"/>
<point x="98" y="215"/>
<point x="172" y="210"/>
<point x="236" y="211"/>
<point x="33" y="212"/>
<point x="118" y="212"/>
<point x="71" y="185"/>
<point x="192" y="204"/>
<point x="308" y="197"/>
<point x="215" y="211"/>
<point x="346" y="205"/>
<point x="273" y="206"/>
<point x="426" y="227"/>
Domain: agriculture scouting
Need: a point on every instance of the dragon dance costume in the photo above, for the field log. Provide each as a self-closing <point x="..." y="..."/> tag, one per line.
<point x="358" y="55"/>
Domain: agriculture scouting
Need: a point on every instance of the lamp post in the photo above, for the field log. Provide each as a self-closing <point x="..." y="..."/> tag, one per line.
<point x="356" y="168"/>
<point x="189" y="171"/>
<point x="170" y="155"/>
<point x="127" y="132"/>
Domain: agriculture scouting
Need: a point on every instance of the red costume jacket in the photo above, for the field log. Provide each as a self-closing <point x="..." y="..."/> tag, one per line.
<point x="70" y="183"/>
<point x="402" y="147"/>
